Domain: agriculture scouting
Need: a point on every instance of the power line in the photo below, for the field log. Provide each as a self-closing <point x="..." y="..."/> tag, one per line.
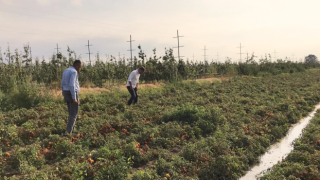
<point x="204" y="56"/>
<point x="75" y="35"/>
<point x="89" y="51"/>
<point x="33" y="33"/>
<point x="131" y="49"/>
<point x="178" y="44"/>
<point x="24" y="14"/>
<point x="108" y="28"/>
<point x="46" y="18"/>
<point x="58" y="14"/>
<point x="81" y="19"/>
<point x="240" y="52"/>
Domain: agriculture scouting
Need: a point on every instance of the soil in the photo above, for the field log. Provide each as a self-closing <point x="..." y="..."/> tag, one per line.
<point x="84" y="90"/>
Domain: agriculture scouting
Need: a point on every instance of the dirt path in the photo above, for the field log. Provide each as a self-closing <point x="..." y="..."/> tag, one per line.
<point x="124" y="87"/>
<point x="210" y="79"/>
<point x="84" y="90"/>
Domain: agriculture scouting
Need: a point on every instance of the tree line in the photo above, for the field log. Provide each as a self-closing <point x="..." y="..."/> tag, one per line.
<point x="19" y="68"/>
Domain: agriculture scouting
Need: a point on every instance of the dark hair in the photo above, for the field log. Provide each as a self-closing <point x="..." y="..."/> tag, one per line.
<point x="141" y="68"/>
<point x="76" y="62"/>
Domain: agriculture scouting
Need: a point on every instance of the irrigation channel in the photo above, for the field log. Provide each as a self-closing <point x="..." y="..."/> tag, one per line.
<point x="280" y="150"/>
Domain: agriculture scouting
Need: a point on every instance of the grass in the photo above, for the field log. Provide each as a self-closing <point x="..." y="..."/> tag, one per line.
<point x="182" y="130"/>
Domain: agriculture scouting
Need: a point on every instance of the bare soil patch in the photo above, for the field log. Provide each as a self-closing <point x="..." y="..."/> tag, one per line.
<point x="57" y="93"/>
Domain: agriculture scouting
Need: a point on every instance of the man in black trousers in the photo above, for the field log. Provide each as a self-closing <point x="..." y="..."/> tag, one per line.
<point x="132" y="85"/>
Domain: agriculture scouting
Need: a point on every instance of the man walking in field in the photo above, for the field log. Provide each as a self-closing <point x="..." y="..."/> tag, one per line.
<point x="132" y="85"/>
<point x="70" y="90"/>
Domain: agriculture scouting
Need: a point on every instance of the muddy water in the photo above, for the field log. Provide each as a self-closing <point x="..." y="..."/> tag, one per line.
<point x="280" y="150"/>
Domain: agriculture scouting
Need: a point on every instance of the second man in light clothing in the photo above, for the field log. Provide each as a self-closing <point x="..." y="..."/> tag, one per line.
<point x="132" y="84"/>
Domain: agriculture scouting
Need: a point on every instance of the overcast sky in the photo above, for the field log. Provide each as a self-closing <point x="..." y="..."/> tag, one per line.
<point x="289" y="27"/>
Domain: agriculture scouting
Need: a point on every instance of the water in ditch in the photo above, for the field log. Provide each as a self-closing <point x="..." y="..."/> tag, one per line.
<point x="280" y="150"/>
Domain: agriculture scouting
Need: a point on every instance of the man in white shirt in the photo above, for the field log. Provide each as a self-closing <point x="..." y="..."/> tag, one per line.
<point x="132" y="85"/>
<point x="70" y="90"/>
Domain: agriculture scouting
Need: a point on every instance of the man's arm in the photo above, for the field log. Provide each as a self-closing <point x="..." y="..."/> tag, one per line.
<point x="72" y="86"/>
<point x="129" y="79"/>
<point x="137" y="81"/>
<point x="130" y="85"/>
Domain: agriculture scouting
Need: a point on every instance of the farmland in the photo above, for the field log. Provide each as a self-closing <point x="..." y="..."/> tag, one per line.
<point x="181" y="130"/>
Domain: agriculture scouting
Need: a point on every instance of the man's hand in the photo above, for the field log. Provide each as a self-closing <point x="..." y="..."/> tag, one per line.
<point x="130" y="85"/>
<point x="75" y="102"/>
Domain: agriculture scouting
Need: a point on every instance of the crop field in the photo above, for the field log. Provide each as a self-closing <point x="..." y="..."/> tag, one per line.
<point x="304" y="161"/>
<point x="181" y="130"/>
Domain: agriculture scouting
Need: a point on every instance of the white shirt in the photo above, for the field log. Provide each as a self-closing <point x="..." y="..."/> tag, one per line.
<point x="70" y="81"/>
<point x="133" y="78"/>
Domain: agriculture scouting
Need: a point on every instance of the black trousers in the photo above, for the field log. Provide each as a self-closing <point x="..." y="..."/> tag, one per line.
<point x="73" y="110"/>
<point x="134" y="95"/>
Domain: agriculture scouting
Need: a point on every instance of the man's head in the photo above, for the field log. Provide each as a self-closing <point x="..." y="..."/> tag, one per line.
<point x="141" y="70"/>
<point x="77" y="65"/>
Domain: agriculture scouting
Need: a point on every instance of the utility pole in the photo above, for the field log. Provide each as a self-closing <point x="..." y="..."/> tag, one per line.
<point x="275" y="52"/>
<point x="240" y="52"/>
<point x="1" y="60"/>
<point x="30" y="55"/>
<point x="131" y="49"/>
<point x="292" y="57"/>
<point x="119" y="57"/>
<point x="178" y="44"/>
<point x="9" y="53"/>
<point x="98" y="56"/>
<point x="193" y="58"/>
<point x="57" y="49"/>
<point x="247" y="56"/>
<point x="217" y="58"/>
<point x="205" y="53"/>
<point x="89" y="51"/>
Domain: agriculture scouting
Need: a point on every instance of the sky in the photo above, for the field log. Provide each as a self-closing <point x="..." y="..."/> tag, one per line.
<point x="281" y="28"/>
